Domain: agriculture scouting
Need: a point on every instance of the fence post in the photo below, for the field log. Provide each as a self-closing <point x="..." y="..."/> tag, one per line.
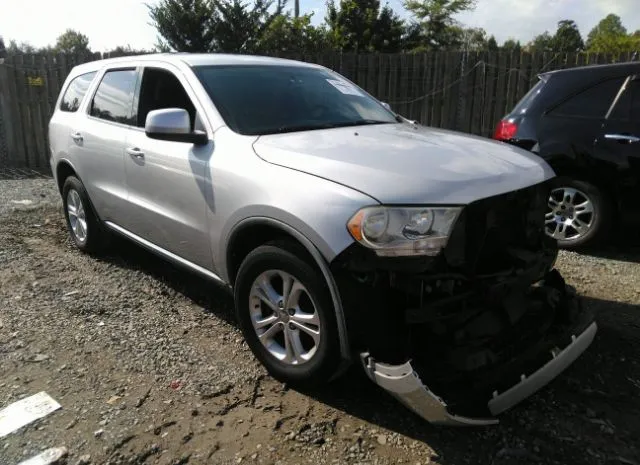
<point x="462" y="94"/>
<point x="6" y="128"/>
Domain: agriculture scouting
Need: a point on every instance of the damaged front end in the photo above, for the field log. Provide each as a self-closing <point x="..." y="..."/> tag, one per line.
<point x="464" y="336"/>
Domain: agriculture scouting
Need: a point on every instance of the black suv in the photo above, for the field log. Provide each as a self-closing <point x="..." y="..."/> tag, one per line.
<point x="586" y="123"/>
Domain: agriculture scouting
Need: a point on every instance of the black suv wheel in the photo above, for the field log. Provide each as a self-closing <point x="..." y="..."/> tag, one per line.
<point x="579" y="213"/>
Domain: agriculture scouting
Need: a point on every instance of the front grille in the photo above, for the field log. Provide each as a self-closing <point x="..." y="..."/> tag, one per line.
<point x="495" y="232"/>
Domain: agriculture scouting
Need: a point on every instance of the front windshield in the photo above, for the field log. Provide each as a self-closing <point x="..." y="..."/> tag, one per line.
<point x="257" y="100"/>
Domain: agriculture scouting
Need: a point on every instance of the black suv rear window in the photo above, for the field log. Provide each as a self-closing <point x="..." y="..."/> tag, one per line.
<point x="528" y="99"/>
<point x="593" y="102"/>
<point x="76" y="91"/>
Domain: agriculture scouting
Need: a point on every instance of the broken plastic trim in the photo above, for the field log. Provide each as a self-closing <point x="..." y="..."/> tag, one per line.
<point x="404" y="384"/>
<point x="561" y="359"/>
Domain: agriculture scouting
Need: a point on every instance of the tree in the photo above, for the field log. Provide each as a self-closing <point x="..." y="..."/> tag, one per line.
<point x="473" y="39"/>
<point x="567" y="38"/>
<point x="3" y="49"/>
<point x="291" y="34"/>
<point x="510" y="45"/>
<point x="72" y="42"/>
<point x="541" y="43"/>
<point x="360" y="25"/>
<point x="126" y="50"/>
<point x="440" y="30"/>
<point x="16" y="48"/>
<point x="610" y="36"/>
<point x="185" y="25"/>
<point x="492" y="44"/>
<point x="213" y="25"/>
<point x="238" y="28"/>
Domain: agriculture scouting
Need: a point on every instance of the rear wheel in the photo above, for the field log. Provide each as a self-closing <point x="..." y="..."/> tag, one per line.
<point x="85" y="229"/>
<point x="286" y="315"/>
<point x="578" y="213"/>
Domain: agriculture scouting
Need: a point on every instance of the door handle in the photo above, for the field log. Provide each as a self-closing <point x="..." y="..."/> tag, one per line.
<point x="622" y="138"/>
<point x="135" y="152"/>
<point x="77" y="137"/>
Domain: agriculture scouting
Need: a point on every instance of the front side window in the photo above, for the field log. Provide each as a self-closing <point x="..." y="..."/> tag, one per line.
<point x="255" y="100"/>
<point x="162" y="89"/>
<point x="113" y="100"/>
<point x="593" y="102"/>
<point x="76" y="91"/>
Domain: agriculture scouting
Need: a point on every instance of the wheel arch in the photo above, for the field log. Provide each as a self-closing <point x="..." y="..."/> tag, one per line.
<point x="64" y="169"/>
<point x="253" y="232"/>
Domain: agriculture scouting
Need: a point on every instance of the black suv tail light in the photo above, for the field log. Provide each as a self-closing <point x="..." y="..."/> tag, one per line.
<point x="505" y="130"/>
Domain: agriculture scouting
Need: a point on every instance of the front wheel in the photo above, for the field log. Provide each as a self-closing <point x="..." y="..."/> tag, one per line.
<point x="286" y="315"/>
<point x="579" y="213"/>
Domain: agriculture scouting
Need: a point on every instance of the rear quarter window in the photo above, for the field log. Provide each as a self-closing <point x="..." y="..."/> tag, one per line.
<point x="528" y="99"/>
<point x="76" y="91"/>
<point x="593" y="102"/>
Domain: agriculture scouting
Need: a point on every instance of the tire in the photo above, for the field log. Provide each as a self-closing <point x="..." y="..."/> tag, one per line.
<point x="85" y="228"/>
<point x="587" y="228"/>
<point x="314" y="362"/>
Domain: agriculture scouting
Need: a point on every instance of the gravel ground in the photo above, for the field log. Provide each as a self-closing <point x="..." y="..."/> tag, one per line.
<point x="149" y="368"/>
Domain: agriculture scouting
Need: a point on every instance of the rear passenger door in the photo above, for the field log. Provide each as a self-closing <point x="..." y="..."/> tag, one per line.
<point x="619" y="140"/>
<point x="570" y="127"/>
<point x="166" y="181"/>
<point x="97" y="141"/>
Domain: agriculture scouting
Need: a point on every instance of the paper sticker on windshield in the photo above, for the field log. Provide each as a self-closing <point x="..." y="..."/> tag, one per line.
<point x="344" y="87"/>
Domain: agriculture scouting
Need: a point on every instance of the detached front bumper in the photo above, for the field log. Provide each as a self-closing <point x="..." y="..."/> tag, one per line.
<point x="404" y="383"/>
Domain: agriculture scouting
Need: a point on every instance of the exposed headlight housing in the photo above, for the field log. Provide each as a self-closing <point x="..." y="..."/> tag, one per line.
<point x="404" y="231"/>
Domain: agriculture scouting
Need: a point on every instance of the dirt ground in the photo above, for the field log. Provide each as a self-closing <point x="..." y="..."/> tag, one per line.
<point x="149" y="368"/>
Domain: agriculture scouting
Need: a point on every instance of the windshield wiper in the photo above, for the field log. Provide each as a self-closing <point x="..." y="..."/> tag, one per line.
<point x="317" y="126"/>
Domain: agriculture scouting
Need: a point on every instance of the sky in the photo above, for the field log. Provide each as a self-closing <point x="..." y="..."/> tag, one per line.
<point x="110" y="23"/>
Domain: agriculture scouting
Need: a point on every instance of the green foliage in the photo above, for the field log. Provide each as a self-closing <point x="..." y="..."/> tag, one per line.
<point x="511" y="45"/>
<point x="3" y="48"/>
<point x="238" y="27"/>
<point x="286" y="34"/>
<point x="567" y="38"/>
<point x="610" y="36"/>
<point x="16" y="48"/>
<point x="185" y="25"/>
<point x="474" y="39"/>
<point x="72" y="42"/>
<point x="540" y="43"/>
<point x="126" y="50"/>
<point x="361" y="26"/>
<point x="439" y="29"/>
<point x="492" y="44"/>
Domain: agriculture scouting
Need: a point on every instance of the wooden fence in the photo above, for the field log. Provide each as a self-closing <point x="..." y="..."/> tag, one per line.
<point x="466" y="91"/>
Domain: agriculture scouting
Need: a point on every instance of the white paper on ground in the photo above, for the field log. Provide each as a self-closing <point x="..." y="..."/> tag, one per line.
<point x="344" y="87"/>
<point x="47" y="457"/>
<point x="25" y="411"/>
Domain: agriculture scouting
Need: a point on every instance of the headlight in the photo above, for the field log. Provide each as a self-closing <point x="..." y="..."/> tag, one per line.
<point x="402" y="232"/>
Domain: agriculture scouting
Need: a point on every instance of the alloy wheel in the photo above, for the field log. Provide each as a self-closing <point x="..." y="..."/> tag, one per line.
<point x="284" y="317"/>
<point x="570" y="215"/>
<point x="77" y="216"/>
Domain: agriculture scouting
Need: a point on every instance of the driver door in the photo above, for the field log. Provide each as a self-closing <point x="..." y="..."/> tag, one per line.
<point x="165" y="179"/>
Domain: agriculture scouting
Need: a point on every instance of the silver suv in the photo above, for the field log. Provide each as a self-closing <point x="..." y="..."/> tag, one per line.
<point x="344" y="231"/>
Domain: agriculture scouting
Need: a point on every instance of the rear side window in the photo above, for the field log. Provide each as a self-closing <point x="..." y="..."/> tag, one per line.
<point x="628" y="106"/>
<point x="593" y="102"/>
<point x="76" y="91"/>
<point x="113" y="100"/>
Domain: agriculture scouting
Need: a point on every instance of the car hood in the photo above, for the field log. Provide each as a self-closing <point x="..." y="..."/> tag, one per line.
<point x="407" y="164"/>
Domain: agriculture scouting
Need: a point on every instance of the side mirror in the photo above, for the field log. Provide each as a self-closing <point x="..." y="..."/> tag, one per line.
<point x="386" y="105"/>
<point x="173" y="124"/>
